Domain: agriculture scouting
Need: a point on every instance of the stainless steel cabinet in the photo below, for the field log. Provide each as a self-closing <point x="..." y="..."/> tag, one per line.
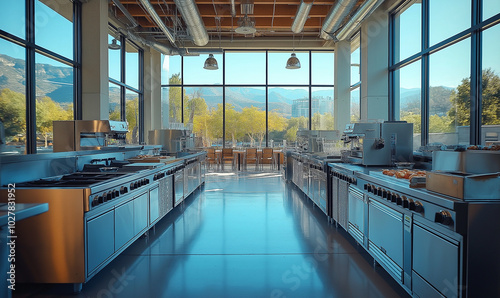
<point x="357" y="207"/>
<point x="154" y="207"/>
<point x="178" y="186"/>
<point x="385" y="229"/>
<point x="436" y="263"/>
<point x="141" y="212"/>
<point x="100" y="240"/>
<point x="124" y="224"/>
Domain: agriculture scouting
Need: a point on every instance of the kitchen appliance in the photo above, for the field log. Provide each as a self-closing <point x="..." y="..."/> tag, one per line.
<point x="375" y="143"/>
<point x="433" y="245"/>
<point x="314" y="140"/>
<point x="92" y="218"/>
<point x="76" y="135"/>
<point x="172" y="140"/>
<point x="341" y="177"/>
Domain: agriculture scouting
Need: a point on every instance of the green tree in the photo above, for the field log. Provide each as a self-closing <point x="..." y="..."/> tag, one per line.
<point x="13" y="113"/>
<point x="322" y="121"/>
<point x="132" y="117"/>
<point x="48" y="111"/>
<point x="194" y="105"/>
<point x="175" y="98"/>
<point x="234" y="124"/>
<point x="294" y="124"/>
<point x="253" y="121"/>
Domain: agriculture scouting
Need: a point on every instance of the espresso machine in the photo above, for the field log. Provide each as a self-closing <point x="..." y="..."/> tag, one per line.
<point x="314" y="140"/>
<point x="379" y="143"/>
<point x="76" y="135"/>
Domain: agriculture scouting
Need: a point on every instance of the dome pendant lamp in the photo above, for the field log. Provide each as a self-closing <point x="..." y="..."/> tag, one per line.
<point x="293" y="62"/>
<point x="211" y="63"/>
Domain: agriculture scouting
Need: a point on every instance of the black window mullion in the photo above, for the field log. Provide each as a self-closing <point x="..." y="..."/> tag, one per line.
<point x="476" y="77"/>
<point x="392" y="77"/>
<point x="122" y="78"/>
<point x="223" y="100"/>
<point x="310" y="93"/>
<point x="425" y="75"/>
<point x="267" y="99"/>
<point x="77" y="55"/>
<point x="30" y="79"/>
<point x="141" y="96"/>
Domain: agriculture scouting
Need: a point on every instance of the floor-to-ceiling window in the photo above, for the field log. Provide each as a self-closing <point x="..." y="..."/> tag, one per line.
<point x="125" y="69"/>
<point x="356" y="78"/>
<point x="445" y="70"/>
<point x="38" y="66"/>
<point x="252" y="100"/>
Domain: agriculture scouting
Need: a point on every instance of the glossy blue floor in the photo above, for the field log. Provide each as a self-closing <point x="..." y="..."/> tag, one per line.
<point x="246" y="235"/>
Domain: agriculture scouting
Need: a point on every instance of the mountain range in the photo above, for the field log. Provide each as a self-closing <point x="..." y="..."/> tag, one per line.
<point x="57" y="83"/>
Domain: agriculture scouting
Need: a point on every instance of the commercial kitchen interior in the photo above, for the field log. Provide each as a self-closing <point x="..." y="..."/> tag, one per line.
<point x="433" y="63"/>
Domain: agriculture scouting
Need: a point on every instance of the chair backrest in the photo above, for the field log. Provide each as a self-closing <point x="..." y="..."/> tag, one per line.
<point x="251" y="152"/>
<point x="227" y="152"/>
<point x="210" y="150"/>
<point x="267" y="152"/>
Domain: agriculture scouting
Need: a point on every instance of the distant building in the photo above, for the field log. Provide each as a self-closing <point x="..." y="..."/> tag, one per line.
<point x="321" y="104"/>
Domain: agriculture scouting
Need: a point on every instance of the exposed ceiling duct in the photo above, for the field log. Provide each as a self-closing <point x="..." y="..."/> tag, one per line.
<point x="125" y="12"/>
<point x="195" y="25"/>
<point x="367" y="8"/>
<point x="233" y="9"/>
<point x="164" y="49"/>
<point x="149" y="8"/>
<point x="301" y="16"/>
<point x="335" y="17"/>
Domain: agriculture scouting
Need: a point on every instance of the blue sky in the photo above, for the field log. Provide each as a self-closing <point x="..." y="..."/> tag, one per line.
<point x="448" y="67"/>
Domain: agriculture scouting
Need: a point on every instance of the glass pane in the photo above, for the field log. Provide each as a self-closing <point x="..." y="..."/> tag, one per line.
<point x="246" y="117"/>
<point x="449" y="94"/>
<point x="355" y="105"/>
<point x="407" y="28"/>
<point x="291" y="103"/>
<point x="131" y="66"/>
<point x="408" y="99"/>
<point x="114" y="58"/>
<point x="54" y="98"/>
<point x="279" y="75"/>
<point x="447" y="18"/>
<point x="12" y="98"/>
<point x="170" y="66"/>
<point x="203" y="110"/>
<point x="12" y="17"/>
<point x="195" y="74"/>
<point x="54" y="26"/>
<point x="246" y="68"/>
<point x="322" y="108"/>
<point x="132" y="116"/>
<point x="491" y="87"/>
<point x="114" y="102"/>
<point x="355" y="61"/>
<point x="490" y="8"/>
<point x="322" y="68"/>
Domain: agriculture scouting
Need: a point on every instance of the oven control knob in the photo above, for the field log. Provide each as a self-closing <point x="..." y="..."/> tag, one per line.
<point x="110" y="195"/>
<point x="399" y="200"/>
<point x="408" y="203"/>
<point x="132" y="186"/>
<point x="136" y="185"/>
<point x="95" y="201"/>
<point x="123" y="190"/>
<point x="443" y="217"/>
<point x="404" y="202"/>
<point x="365" y="187"/>
<point x="117" y="193"/>
<point x="395" y="198"/>
<point x="102" y="198"/>
<point x="416" y="206"/>
<point x="384" y="193"/>
<point x="155" y="177"/>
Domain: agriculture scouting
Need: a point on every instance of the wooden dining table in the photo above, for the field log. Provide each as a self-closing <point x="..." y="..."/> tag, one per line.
<point x="239" y="155"/>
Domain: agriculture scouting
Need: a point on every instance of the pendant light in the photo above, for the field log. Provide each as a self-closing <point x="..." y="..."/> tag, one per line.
<point x="293" y="62"/>
<point x="211" y="63"/>
<point x="113" y="45"/>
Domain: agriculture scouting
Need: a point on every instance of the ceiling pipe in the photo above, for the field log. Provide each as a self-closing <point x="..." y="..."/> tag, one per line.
<point x="301" y="16"/>
<point x="233" y="9"/>
<point x="162" y="48"/>
<point x="192" y="17"/>
<point x="368" y="7"/>
<point x="335" y="17"/>
<point x="126" y="13"/>
<point x="149" y="8"/>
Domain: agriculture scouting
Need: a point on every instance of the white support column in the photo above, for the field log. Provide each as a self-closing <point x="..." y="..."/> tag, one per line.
<point x="374" y="66"/>
<point x="152" y="91"/>
<point x="342" y="93"/>
<point x="95" y="94"/>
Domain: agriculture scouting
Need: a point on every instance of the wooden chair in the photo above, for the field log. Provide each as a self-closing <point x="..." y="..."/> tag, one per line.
<point x="267" y="157"/>
<point x="212" y="158"/>
<point x="251" y="157"/>
<point x="227" y="155"/>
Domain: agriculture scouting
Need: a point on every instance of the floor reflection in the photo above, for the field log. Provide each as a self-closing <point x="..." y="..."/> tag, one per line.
<point x="245" y="235"/>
